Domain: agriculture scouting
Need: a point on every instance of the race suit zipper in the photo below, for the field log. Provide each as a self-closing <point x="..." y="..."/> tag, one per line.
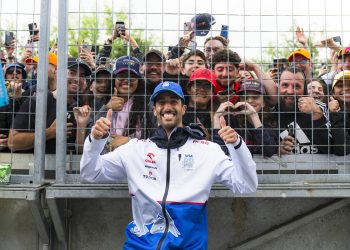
<point x="164" y="200"/>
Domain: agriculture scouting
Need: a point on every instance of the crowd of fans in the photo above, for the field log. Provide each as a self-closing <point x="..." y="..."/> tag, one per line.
<point x="284" y="110"/>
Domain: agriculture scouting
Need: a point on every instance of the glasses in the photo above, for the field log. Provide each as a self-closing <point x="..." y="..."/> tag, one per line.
<point x="127" y="77"/>
<point x="300" y="62"/>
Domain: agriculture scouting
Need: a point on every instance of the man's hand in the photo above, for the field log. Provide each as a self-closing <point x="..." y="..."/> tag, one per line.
<point x="172" y="66"/>
<point x="222" y="111"/>
<point x="307" y="105"/>
<point x="116" y="103"/>
<point x="102" y="126"/>
<point x="82" y="115"/>
<point x="87" y="57"/>
<point x="3" y="141"/>
<point x="301" y="37"/>
<point x="333" y="105"/>
<point x="287" y="145"/>
<point x="226" y="133"/>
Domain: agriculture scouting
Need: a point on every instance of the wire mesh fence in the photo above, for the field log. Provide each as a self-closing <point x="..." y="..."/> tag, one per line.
<point x="277" y="71"/>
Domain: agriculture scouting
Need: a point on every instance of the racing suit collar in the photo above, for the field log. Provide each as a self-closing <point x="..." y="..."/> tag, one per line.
<point x="178" y="136"/>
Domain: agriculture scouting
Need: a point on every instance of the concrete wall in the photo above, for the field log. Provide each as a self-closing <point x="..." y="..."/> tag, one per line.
<point x="100" y="223"/>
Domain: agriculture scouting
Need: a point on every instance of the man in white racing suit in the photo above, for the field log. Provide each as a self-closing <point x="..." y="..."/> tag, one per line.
<point x="170" y="174"/>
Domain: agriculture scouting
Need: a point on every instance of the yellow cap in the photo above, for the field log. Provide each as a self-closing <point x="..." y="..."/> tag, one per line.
<point x="340" y="76"/>
<point x="302" y="52"/>
<point x="52" y="59"/>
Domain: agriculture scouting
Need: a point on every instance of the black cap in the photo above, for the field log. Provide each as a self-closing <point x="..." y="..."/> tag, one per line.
<point x="155" y="52"/>
<point x="76" y="62"/>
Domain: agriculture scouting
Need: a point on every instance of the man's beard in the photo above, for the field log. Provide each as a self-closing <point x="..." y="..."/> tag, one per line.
<point x="289" y="108"/>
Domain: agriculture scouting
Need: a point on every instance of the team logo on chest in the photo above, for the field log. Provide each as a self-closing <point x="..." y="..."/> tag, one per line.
<point x="149" y="158"/>
<point x="188" y="162"/>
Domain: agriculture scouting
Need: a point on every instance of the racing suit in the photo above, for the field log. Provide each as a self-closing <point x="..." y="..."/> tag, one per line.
<point x="169" y="183"/>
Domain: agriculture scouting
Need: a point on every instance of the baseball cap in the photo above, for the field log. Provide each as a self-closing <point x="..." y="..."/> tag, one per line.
<point x="102" y="70"/>
<point x="156" y="52"/>
<point x="127" y="63"/>
<point x="76" y="62"/>
<point x="251" y="85"/>
<point x="202" y="23"/>
<point x="203" y="74"/>
<point x="52" y="59"/>
<point x="344" y="52"/>
<point x="305" y="53"/>
<point x="17" y="66"/>
<point x="340" y="76"/>
<point x="167" y="86"/>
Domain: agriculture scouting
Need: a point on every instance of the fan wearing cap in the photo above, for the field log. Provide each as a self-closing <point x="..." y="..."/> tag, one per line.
<point x="340" y="62"/>
<point x="14" y="76"/>
<point x="99" y="90"/>
<point x="200" y="90"/>
<point x="301" y="58"/>
<point x="339" y="114"/>
<point x="153" y="67"/>
<point x="252" y="118"/>
<point x="170" y="174"/>
<point x="22" y="135"/>
<point x="51" y="74"/>
<point x="128" y="102"/>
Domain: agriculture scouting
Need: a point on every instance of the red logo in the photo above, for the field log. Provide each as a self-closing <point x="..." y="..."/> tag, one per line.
<point x="149" y="173"/>
<point x="150" y="155"/>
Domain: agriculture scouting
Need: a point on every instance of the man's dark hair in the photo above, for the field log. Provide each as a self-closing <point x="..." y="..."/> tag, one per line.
<point x="226" y="56"/>
<point x="296" y="70"/>
<point x="195" y="52"/>
<point x="219" y="38"/>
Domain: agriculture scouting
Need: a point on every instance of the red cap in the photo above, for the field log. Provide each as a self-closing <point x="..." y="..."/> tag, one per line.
<point x="204" y="74"/>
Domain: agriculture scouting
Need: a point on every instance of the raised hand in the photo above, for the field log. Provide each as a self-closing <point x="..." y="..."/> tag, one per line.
<point x="287" y="145"/>
<point x="102" y="126"/>
<point x="333" y="105"/>
<point x="116" y="103"/>
<point x="226" y="133"/>
<point x="82" y="115"/>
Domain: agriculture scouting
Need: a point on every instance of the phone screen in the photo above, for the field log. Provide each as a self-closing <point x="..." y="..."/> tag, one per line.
<point x="9" y="36"/>
<point x="119" y="28"/>
<point x="224" y="31"/>
<point x="188" y="28"/>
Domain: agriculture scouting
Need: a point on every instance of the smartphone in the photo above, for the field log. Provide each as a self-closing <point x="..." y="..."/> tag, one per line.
<point x="291" y="130"/>
<point x="188" y="28"/>
<point x="87" y="47"/>
<point x="119" y="27"/>
<point x="337" y="39"/>
<point x="224" y="31"/>
<point x="29" y="46"/>
<point x="95" y="49"/>
<point x="280" y="64"/>
<point x="9" y="36"/>
<point x="33" y="29"/>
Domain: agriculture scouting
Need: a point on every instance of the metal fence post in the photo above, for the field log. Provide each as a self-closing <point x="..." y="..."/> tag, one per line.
<point x="61" y="117"/>
<point x="41" y="107"/>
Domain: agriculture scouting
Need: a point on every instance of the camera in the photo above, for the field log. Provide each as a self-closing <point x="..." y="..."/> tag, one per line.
<point x="119" y="28"/>
<point x="33" y="29"/>
<point x="280" y="64"/>
<point x="9" y="36"/>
